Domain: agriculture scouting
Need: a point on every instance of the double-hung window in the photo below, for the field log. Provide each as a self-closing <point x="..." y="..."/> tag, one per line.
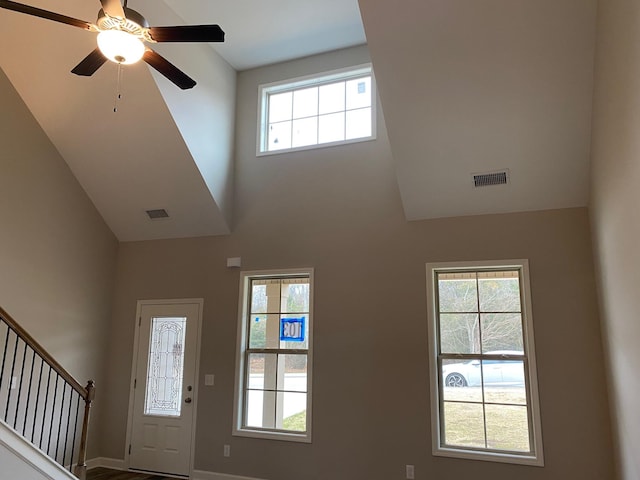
<point x="273" y="369"/>
<point x="483" y="376"/>
<point x="327" y="109"/>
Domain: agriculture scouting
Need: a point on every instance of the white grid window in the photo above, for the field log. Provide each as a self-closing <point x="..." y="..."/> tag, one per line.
<point x="273" y="387"/>
<point x="483" y="381"/>
<point x="334" y="108"/>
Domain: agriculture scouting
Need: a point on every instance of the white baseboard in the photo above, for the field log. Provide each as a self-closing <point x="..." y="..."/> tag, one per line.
<point x="105" y="462"/>
<point x="116" y="464"/>
<point x="204" y="475"/>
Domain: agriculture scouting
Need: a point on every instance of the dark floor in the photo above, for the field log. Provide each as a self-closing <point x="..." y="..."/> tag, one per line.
<point x="107" y="474"/>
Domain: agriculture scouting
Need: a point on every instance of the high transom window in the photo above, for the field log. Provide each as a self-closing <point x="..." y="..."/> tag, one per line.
<point x="273" y="390"/>
<point x="336" y="107"/>
<point x="483" y="382"/>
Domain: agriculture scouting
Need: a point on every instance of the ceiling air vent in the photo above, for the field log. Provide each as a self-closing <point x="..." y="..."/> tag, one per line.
<point x="491" y="178"/>
<point x="158" y="213"/>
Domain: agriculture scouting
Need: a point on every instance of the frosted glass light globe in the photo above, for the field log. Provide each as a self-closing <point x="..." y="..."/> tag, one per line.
<point x="120" y="47"/>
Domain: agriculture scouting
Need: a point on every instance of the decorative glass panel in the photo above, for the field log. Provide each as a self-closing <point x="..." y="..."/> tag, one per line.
<point x="166" y="367"/>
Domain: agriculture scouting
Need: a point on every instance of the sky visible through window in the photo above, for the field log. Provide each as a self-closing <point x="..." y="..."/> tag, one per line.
<point x="334" y="112"/>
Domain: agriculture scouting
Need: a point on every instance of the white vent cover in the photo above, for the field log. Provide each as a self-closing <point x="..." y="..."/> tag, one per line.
<point x="157" y="214"/>
<point x="487" y="179"/>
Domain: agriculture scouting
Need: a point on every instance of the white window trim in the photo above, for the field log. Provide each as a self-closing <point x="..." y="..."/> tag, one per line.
<point x="310" y="80"/>
<point x="537" y="459"/>
<point x="238" y="429"/>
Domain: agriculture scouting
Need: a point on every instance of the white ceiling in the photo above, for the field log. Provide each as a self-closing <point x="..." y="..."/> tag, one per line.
<point x="261" y="33"/>
<point x="467" y="86"/>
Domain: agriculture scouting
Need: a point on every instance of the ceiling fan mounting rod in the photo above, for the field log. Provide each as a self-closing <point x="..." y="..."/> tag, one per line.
<point x="134" y="23"/>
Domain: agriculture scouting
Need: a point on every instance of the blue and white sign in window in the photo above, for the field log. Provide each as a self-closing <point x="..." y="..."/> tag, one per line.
<point x="273" y="383"/>
<point x="292" y="329"/>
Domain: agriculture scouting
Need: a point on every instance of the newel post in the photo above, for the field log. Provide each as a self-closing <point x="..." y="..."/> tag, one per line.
<point x="81" y="466"/>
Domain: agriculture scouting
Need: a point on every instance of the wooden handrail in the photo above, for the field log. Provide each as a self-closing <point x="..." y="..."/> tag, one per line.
<point x="86" y="393"/>
<point x="29" y="340"/>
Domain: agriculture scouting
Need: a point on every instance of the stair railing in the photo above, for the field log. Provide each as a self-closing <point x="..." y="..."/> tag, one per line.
<point x="40" y="400"/>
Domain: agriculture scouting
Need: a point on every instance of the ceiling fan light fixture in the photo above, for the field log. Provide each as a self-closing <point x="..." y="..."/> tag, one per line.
<point x="120" y="47"/>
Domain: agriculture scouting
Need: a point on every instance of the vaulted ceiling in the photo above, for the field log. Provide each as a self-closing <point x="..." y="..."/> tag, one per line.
<point x="466" y="87"/>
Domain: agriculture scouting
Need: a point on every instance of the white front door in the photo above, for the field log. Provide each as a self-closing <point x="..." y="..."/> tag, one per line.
<point x="163" y="403"/>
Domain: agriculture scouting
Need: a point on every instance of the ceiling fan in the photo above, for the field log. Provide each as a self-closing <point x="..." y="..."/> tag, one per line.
<point x="121" y="35"/>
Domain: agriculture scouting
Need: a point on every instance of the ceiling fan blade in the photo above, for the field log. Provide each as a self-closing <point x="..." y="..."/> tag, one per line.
<point x="187" y="33"/>
<point x="169" y="70"/>
<point x="90" y="64"/>
<point x="38" y="12"/>
<point x="113" y="8"/>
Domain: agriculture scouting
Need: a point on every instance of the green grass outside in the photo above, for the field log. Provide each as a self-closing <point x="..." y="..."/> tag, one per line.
<point x="296" y="422"/>
<point x="506" y="423"/>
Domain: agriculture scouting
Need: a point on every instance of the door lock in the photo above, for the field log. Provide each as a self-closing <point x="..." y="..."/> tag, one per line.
<point x="187" y="400"/>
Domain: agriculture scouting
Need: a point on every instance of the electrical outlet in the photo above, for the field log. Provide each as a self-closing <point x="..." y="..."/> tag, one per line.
<point x="411" y="474"/>
<point x="227" y="450"/>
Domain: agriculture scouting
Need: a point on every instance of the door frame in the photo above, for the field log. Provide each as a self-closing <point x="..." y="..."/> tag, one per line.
<point x="134" y="364"/>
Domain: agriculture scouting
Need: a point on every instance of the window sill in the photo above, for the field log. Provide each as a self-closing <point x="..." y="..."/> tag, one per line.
<point x="281" y="436"/>
<point x="536" y="461"/>
<point x="315" y="146"/>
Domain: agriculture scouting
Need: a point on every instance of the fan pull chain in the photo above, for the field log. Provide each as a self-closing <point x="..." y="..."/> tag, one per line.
<point x="118" y="89"/>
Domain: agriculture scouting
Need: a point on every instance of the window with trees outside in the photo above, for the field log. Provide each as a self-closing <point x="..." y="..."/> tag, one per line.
<point x="482" y="360"/>
<point x="273" y="369"/>
<point x="328" y="109"/>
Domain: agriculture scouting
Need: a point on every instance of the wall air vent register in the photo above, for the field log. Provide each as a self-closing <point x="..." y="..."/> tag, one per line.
<point x="491" y="178"/>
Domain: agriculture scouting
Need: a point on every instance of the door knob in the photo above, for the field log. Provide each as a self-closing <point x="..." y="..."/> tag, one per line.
<point x="187" y="400"/>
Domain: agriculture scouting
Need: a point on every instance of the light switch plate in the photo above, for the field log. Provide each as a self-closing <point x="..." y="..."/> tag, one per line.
<point x="209" y="379"/>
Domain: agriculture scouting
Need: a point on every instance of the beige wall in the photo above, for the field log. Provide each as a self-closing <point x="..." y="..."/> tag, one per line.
<point x="57" y="256"/>
<point x="616" y="225"/>
<point x="338" y="210"/>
